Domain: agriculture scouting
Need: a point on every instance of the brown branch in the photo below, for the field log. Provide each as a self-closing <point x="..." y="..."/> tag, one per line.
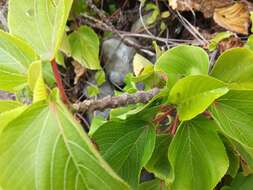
<point x="101" y="13"/>
<point x="123" y="34"/>
<point x="116" y="101"/>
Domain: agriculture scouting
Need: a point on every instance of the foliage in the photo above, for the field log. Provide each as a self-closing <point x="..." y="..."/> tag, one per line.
<point x="43" y="147"/>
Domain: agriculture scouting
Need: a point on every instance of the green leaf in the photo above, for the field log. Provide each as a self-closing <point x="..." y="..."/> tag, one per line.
<point x="39" y="22"/>
<point x="217" y="38"/>
<point x="6" y="105"/>
<point x="249" y="43"/>
<point x="233" y="157"/>
<point x="159" y="163"/>
<point x="234" y="115"/>
<point x="197" y="156"/>
<point x="246" y="155"/>
<point x="15" y="58"/>
<point x="128" y="148"/>
<point x="7" y="116"/>
<point x="165" y="14"/>
<point x="79" y="6"/>
<point x="123" y="112"/>
<point x="242" y="182"/>
<point x="93" y="90"/>
<point x="251" y="18"/>
<point x="36" y="82"/>
<point x="182" y="61"/>
<point x="155" y="184"/>
<point x="194" y="94"/>
<point x="44" y="148"/>
<point x="48" y="74"/>
<point x="235" y="66"/>
<point x="158" y="50"/>
<point x="84" y="45"/>
<point x="155" y="13"/>
<point x="96" y="122"/>
<point x="100" y="77"/>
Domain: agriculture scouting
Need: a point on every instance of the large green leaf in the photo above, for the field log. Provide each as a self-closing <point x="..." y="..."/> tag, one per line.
<point x="234" y="115"/>
<point x="183" y="61"/>
<point x="15" y="58"/>
<point x="126" y="145"/>
<point x="235" y="66"/>
<point x="159" y="163"/>
<point x="194" y="94"/>
<point x="6" y="105"/>
<point x="39" y="22"/>
<point x="44" y="148"/>
<point x="197" y="156"/>
<point x="7" y="116"/>
<point x="84" y="45"/>
<point x="242" y="182"/>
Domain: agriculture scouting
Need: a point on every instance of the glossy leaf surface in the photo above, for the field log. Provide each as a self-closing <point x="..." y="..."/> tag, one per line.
<point x="235" y="66"/>
<point x="197" y="156"/>
<point x="159" y="163"/>
<point x="127" y="146"/>
<point x="234" y="115"/>
<point x="194" y="94"/>
<point x="40" y="22"/>
<point x="84" y="45"/>
<point x="183" y="61"/>
<point x="15" y="58"/>
<point x="44" y="148"/>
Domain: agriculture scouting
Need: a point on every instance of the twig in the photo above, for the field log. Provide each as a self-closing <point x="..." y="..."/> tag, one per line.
<point x="3" y="12"/>
<point x="116" y="101"/>
<point x="123" y="34"/>
<point x="142" y="21"/>
<point x="99" y="12"/>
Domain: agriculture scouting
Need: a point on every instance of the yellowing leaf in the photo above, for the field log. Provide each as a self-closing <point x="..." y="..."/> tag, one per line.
<point x="39" y="22"/>
<point x="139" y="63"/>
<point x="36" y="82"/>
<point x="234" y="18"/>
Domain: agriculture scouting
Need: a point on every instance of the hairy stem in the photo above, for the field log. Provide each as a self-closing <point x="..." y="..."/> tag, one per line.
<point x="59" y="81"/>
<point x="116" y="101"/>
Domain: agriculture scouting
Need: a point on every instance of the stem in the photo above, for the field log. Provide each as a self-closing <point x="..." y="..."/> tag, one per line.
<point x="174" y="125"/>
<point x="116" y="101"/>
<point x="59" y="83"/>
<point x="164" y="115"/>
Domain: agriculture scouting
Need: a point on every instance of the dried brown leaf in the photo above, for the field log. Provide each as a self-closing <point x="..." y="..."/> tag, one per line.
<point x="207" y="7"/>
<point x="79" y="71"/>
<point x="235" y="17"/>
<point x="228" y="43"/>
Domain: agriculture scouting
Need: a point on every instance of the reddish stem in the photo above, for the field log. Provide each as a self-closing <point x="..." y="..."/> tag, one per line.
<point x="174" y="125"/>
<point x="162" y="117"/>
<point x="59" y="83"/>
